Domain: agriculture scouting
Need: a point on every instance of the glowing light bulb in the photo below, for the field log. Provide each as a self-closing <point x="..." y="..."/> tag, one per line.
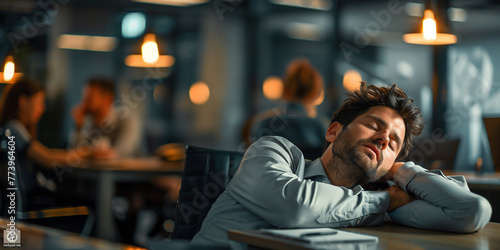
<point x="149" y="49"/>
<point x="352" y="80"/>
<point x="8" y="69"/>
<point x="272" y="88"/>
<point x="429" y="26"/>
<point x="199" y="93"/>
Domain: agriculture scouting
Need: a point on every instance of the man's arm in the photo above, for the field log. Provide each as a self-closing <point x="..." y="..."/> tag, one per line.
<point x="442" y="203"/>
<point x="129" y="135"/>
<point x="267" y="184"/>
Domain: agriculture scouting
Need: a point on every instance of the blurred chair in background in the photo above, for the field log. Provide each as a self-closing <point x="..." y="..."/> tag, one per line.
<point x="297" y="120"/>
<point x="34" y="203"/>
<point x="206" y="175"/>
<point x="431" y="154"/>
<point x="492" y="126"/>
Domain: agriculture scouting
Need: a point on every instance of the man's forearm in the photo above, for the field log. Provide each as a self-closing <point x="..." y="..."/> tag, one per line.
<point x="443" y="204"/>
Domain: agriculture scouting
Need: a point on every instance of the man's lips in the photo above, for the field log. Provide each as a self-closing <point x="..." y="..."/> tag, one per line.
<point x="375" y="150"/>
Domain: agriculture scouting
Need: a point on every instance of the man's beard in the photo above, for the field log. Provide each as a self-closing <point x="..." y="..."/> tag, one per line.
<point x="350" y="163"/>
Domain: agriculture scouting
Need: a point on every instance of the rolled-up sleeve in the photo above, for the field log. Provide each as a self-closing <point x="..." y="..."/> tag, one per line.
<point x="268" y="185"/>
<point x="443" y="203"/>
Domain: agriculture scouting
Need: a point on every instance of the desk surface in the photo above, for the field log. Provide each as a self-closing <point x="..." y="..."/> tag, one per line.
<point x="38" y="237"/>
<point x="391" y="236"/>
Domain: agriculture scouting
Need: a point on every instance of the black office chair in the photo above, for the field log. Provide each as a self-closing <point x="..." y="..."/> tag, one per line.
<point x="206" y="174"/>
<point x="32" y="201"/>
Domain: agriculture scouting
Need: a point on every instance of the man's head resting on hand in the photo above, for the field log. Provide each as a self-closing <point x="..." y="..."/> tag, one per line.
<point x="374" y="127"/>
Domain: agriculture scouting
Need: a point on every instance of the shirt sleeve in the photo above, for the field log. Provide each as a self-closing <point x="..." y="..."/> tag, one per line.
<point x="443" y="203"/>
<point x="81" y="137"/>
<point x="129" y="136"/>
<point x="267" y="184"/>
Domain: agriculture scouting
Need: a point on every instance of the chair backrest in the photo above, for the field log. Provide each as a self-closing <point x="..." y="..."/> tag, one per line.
<point x="206" y="175"/>
<point x="434" y="155"/>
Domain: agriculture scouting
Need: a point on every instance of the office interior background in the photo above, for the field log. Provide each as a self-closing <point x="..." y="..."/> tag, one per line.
<point x="222" y="62"/>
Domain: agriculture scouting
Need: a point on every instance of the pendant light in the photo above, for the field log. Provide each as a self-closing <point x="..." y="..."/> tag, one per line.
<point x="9" y="69"/>
<point x="430" y="33"/>
<point x="149" y="49"/>
<point x="150" y="56"/>
<point x="9" y="74"/>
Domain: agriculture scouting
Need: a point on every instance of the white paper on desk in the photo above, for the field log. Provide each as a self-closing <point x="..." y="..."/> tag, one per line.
<point x="340" y="237"/>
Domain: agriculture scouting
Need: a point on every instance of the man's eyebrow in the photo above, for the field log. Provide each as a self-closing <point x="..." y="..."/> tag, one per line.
<point x="384" y="123"/>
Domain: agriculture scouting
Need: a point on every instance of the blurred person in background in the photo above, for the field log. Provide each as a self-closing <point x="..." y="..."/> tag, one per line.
<point x="139" y="207"/>
<point x="297" y="120"/>
<point x="113" y="130"/>
<point x="22" y="106"/>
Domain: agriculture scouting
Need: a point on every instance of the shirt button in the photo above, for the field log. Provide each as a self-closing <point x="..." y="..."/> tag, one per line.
<point x="358" y="221"/>
<point x="349" y="214"/>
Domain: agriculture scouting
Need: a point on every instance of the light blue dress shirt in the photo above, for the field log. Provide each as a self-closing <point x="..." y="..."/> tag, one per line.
<point x="271" y="190"/>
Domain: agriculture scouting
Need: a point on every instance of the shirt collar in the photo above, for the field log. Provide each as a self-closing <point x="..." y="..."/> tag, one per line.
<point x="314" y="168"/>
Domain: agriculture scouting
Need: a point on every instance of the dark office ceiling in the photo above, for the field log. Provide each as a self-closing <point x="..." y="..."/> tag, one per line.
<point x="29" y="6"/>
<point x="483" y="15"/>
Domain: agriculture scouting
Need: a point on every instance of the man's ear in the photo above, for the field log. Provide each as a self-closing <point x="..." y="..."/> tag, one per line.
<point x="333" y="131"/>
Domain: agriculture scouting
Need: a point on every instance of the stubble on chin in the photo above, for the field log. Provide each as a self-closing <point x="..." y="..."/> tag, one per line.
<point x="351" y="164"/>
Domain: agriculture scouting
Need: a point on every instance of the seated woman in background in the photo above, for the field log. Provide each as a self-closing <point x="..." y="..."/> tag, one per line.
<point x="297" y="119"/>
<point x="23" y="105"/>
<point x="22" y="108"/>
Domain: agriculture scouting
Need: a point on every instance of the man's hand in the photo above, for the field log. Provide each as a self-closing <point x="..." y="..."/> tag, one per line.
<point x="398" y="197"/>
<point x="79" y="113"/>
<point x="103" y="154"/>
<point x="390" y="175"/>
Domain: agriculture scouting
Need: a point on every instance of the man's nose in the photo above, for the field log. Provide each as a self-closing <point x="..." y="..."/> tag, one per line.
<point x="382" y="138"/>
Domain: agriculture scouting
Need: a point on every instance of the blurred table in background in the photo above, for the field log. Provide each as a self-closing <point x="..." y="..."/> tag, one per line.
<point x="107" y="173"/>
<point x="38" y="237"/>
<point x="486" y="185"/>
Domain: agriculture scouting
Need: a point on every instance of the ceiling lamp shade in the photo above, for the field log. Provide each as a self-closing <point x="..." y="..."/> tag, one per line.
<point x="164" y="61"/>
<point x="150" y="56"/>
<point x="429" y="34"/>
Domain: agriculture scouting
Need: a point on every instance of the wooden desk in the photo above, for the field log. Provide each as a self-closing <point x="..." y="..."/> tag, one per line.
<point x="391" y="236"/>
<point x="107" y="172"/>
<point x="37" y="237"/>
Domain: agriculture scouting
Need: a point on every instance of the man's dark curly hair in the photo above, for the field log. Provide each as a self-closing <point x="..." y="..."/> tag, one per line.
<point x="362" y="100"/>
<point x="104" y="84"/>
